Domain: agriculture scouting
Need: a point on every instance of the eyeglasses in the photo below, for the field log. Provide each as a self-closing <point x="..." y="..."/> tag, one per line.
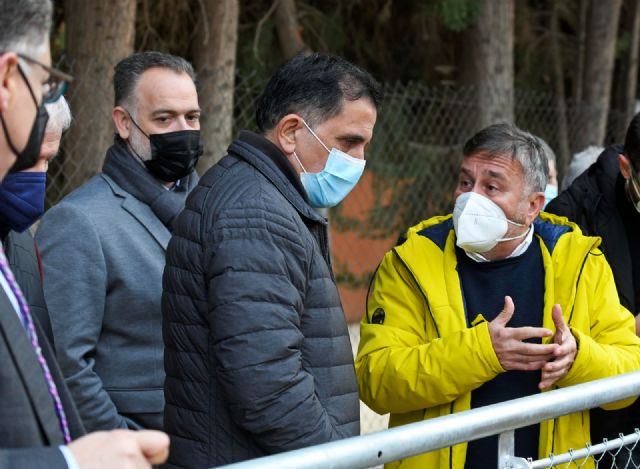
<point x="56" y="84"/>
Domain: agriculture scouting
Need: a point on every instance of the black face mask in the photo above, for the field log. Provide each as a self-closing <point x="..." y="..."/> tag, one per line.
<point x="173" y="154"/>
<point x="28" y="157"/>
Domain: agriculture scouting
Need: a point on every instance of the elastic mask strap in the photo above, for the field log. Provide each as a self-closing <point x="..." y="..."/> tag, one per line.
<point x="4" y="125"/>
<point x="129" y="143"/>
<point x="314" y="134"/>
<point x="137" y="126"/>
<point x="299" y="162"/>
<point x="632" y="189"/>
<point x="515" y="237"/>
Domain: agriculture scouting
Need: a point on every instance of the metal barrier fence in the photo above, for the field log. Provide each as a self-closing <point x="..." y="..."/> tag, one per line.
<point x="503" y="418"/>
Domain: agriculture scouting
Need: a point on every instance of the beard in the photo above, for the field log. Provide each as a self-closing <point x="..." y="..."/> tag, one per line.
<point x="139" y="143"/>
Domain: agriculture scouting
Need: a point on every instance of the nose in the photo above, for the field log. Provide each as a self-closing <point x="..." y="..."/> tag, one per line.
<point x="357" y="153"/>
<point x="182" y="123"/>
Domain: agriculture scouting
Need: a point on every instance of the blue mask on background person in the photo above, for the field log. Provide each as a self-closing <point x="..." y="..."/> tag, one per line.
<point x="22" y="199"/>
<point x="550" y="193"/>
<point x="340" y="175"/>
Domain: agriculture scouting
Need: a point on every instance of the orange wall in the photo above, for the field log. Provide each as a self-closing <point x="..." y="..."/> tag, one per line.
<point x="360" y="254"/>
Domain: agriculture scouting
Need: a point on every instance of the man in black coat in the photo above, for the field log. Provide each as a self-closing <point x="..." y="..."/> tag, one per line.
<point x="257" y="352"/>
<point x="39" y="425"/>
<point x="605" y="201"/>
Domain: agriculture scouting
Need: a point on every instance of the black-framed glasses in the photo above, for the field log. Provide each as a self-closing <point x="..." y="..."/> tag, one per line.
<point x="56" y="84"/>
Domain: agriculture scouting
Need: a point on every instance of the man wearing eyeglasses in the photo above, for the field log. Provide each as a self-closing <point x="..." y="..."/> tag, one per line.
<point x="39" y="425"/>
<point x="106" y="243"/>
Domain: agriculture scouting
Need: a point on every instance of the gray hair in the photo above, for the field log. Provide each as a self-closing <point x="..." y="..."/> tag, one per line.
<point x="509" y="140"/>
<point x="129" y="70"/>
<point x="59" y="116"/>
<point x="548" y="151"/>
<point x="25" y="25"/>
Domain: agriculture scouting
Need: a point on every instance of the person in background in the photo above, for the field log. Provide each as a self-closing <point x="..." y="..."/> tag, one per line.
<point x="22" y="196"/>
<point x="39" y="424"/>
<point x="580" y="162"/>
<point x="605" y="201"/>
<point x="108" y="334"/>
<point x="551" y="189"/>
<point x="449" y="327"/>
<point x="257" y="354"/>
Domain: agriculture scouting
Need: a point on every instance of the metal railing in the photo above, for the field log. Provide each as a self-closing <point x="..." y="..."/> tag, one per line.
<point x="422" y="437"/>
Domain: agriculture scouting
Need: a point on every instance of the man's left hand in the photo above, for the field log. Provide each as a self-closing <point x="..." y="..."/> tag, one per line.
<point x="555" y="370"/>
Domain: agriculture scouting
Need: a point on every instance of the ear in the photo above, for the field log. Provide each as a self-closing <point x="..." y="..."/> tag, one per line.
<point x="285" y="133"/>
<point x="535" y="204"/>
<point x="122" y="120"/>
<point x="625" y="166"/>
<point x="8" y="64"/>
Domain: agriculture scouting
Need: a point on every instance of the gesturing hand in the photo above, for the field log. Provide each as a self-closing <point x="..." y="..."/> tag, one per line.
<point x="508" y="342"/>
<point x="564" y="355"/>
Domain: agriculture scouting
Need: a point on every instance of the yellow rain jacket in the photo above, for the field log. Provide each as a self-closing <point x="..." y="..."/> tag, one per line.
<point x="419" y="359"/>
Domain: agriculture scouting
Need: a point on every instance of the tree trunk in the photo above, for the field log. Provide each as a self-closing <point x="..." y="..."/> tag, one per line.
<point x="563" y="151"/>
<point x="214" y="56"/>
<point x="489" y="62"/>
<point x="583" y="8"/>
<point x="289" y="31"/>
<point x="601" y="41"/>
<point x="99" y="34"/>
<point x="631" y="62"/>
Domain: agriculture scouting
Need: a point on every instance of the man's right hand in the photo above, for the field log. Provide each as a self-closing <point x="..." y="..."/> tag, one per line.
<point x="508" y="342"/>
<point x="124" y="449"/>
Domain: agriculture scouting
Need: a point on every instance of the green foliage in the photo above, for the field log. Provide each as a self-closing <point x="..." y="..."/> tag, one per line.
<point x="457" y="15"/>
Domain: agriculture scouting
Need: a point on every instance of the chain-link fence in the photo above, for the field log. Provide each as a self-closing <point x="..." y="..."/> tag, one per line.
<point x="411" y="163"/>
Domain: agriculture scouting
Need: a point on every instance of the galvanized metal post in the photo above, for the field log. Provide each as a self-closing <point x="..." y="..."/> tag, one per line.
<point x="506" y="448"/>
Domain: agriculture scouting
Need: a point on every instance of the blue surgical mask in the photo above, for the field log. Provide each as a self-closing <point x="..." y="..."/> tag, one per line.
<point x="22" y="199"/>
<point x="550" y="193"/>
<point x="340" y="174"/>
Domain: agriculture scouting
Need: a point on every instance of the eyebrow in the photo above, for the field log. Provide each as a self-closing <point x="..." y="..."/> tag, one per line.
<point x="491" y="173"/>
<point x="465" y="171"/>
<point x="354" y="137"/>
<point x="174" y="112"/>
<point x="496" y="175"/>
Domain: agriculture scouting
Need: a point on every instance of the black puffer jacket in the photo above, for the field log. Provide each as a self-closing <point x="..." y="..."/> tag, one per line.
<point x="257" y="356"/>
<point x="592" y="202"/>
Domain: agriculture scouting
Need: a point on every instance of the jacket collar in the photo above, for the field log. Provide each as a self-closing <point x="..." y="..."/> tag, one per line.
<point x="265" y="157"/>
<point x="141" y="212"/>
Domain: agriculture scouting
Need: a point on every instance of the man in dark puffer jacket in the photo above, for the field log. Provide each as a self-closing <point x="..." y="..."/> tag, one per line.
<point x="605" y="201"/>
<point x="257" y="352"/>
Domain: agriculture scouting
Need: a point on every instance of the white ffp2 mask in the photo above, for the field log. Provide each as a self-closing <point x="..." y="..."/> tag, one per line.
<point x="479" y="223"/>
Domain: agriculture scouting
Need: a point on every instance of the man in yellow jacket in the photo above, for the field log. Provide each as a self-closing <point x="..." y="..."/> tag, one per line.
<point x="492" y="303"/>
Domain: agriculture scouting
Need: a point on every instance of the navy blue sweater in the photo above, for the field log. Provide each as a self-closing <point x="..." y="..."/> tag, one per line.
<point x="484" y="287"/>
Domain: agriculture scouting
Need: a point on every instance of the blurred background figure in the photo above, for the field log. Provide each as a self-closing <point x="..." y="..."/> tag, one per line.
<point x="551" y="189"/>
<point x="579" y="164"/>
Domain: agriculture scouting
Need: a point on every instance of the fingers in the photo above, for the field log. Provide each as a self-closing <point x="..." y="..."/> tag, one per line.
<point x="154" y="445"/>
<point x="558" y="319"/>
<point x="527" y="332"/>
<point x="550" y="377"/>
<point x="566" y="352"/>
<point x="506" y="314"/>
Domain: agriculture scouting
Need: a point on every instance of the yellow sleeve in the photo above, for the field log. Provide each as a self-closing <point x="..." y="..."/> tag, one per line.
<point x="402" y="363"/>
<point x="607" y="344"/>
